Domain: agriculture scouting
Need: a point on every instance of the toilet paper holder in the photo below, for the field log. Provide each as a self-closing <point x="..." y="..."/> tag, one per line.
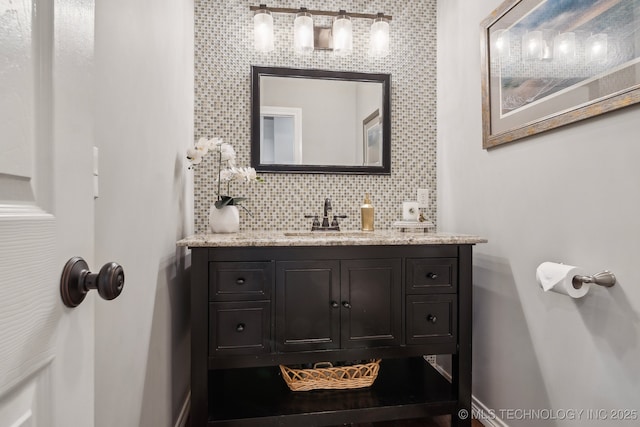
<point x="604" y="278"/>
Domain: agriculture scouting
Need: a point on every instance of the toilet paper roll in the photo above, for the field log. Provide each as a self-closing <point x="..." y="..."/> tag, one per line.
<point x="558" y="278"/>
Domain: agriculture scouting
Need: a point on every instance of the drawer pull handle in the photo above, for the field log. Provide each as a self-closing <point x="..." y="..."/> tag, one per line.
<point x="240" y="327"/>
<point x="346" y="304"/>
<point x="240" y="281"/>
<point x="432" y="276"/>
<point x="431" y="318"/>
<point x="334" y="304"/>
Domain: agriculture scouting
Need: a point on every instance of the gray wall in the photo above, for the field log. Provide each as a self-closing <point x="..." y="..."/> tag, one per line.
<point x="223" y="58"/>
<point x="144" y="124"/>
<point x="569" y="195"/>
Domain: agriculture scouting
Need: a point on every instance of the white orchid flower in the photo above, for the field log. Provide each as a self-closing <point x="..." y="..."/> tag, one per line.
<point x="225" y="157"/>
<point x="194" y="155"/>
<point x="202" y="146"/>
<point x="246" y="174"/>
<point x="227" y="175"/>
<point x="228" y="153"/>
<point x="202" y="142"/>
<point x="214" y="142"/>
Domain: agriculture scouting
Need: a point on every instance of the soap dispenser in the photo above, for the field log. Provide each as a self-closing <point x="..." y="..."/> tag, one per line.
<point x="367" y="214"/>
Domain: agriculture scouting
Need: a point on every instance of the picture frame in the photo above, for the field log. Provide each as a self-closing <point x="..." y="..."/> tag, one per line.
<point x="372" y="139"/>
<point x="550" y="63"/>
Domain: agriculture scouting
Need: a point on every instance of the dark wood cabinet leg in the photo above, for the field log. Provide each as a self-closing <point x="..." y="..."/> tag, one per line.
<point x="199" y="338"/>
<point x="461" y="362"/>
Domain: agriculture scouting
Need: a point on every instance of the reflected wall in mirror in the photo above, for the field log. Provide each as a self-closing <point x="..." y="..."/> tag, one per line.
<point x="320" y="121"/>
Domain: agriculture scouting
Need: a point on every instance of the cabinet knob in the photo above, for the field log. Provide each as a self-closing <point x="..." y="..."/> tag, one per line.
<point x="335" y="304"/>
<point x="240" y="281"/>
<point x="431" y="318"/>
<point x="346" y="304"/>
<point x="240" y="327"/>
<point x="432" y="276"/>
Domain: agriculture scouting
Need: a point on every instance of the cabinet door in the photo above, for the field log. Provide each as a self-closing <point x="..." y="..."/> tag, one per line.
<point x="307" y="305"/>
<point x="371" y="303"/>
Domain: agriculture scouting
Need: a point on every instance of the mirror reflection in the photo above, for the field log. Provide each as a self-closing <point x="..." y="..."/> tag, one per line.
<point x="320" y="121"/>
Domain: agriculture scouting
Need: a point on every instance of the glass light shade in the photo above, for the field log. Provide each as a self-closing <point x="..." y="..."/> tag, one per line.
<point x="303" y="33"/>
<point x="501" y="42"/>
<point x="533" y="46"/>
<point x="379" y="38"/>
<point x="342" y="35"/>
<point x="596" y="48"/>
<point x="263" y="31"/>
<point x="564" y="47"/>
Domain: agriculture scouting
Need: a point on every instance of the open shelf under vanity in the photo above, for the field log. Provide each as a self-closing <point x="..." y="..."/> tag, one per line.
<point x="405" y="388"/>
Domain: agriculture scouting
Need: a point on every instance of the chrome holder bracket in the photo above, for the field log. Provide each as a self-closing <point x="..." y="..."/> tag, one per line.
<point x="604" y="278"/>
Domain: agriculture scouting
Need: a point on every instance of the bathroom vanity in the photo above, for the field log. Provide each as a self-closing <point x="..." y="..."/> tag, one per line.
<point x="261" y="299"/>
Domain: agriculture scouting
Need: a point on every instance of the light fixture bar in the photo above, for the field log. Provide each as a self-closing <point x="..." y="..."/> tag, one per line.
<point x="322" y="12"/>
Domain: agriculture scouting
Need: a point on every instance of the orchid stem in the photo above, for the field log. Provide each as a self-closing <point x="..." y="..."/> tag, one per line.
<point x="248" y="211"/>
<point x="219" y="171"/>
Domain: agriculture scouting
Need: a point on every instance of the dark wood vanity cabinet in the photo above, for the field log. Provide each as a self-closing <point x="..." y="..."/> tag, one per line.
<point x="255" y="308"/>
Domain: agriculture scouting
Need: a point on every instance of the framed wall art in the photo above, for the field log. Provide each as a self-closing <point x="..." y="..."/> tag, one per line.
<point x="549" y="63"/>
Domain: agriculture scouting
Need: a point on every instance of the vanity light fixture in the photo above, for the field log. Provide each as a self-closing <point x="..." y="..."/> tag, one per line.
<point x="501" y="40"/>
<point x="564" y="47"/>
<point x="534" y="46"/>
<point x="379" y="37"/>
<point x="342" y="31"/>
<point x="263" y="29"/>
<point x="307" y="37"/>
<point x="303" y="32"/>
<point x="596" y="48"/>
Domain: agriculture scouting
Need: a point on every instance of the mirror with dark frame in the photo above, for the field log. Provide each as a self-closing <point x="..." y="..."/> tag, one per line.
<point x="318" y="121"/>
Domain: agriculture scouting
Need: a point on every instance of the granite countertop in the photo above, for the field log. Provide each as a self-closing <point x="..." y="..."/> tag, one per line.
<point x="323" y="238"/>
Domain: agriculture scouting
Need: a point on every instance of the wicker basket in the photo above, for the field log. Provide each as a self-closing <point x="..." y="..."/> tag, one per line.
<point x="326" y="376"/>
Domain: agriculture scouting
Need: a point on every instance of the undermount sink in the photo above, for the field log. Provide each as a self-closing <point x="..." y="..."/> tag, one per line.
<point x="321" y="234"/>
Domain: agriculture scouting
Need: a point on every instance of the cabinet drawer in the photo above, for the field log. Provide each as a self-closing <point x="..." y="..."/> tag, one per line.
<point x="431" y="275"/>
<point x="431" y="319"/>
<point x="240" y="281"/>
<point x="239" y="328"/>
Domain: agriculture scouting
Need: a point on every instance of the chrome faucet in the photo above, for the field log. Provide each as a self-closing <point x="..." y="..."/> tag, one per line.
<point x="326" y="214"/>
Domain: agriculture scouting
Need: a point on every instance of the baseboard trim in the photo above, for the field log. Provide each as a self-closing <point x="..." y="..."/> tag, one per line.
<point x="484" y="415"/>
<point x="479" y="410"/>
<point x="183" y="418"/>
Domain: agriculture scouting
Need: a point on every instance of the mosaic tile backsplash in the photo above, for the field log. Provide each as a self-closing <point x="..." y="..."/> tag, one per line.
<point x="224" y="55"/>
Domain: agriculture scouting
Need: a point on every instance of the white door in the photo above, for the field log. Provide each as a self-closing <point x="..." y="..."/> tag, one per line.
<point x="46" y="211"/>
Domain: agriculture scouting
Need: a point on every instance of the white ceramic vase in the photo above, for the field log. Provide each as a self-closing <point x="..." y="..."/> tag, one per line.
<point x="224" y="220"/>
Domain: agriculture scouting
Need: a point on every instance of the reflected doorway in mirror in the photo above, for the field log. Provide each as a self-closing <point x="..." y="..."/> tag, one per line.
<point x="281" y="135"/>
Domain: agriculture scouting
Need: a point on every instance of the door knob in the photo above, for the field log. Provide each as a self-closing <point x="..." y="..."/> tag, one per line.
<point x="76" y="281"/>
